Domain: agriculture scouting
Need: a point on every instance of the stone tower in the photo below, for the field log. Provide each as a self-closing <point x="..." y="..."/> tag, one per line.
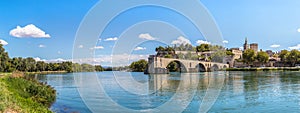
<point x="246" y="46"/>
<point x="254" y="46"/>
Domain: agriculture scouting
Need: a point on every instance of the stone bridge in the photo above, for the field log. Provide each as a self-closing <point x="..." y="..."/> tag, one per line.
<point x="158" y="65"/>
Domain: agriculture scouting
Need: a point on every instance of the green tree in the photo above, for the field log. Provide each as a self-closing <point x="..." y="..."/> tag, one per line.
<point x="87" y="68"/>
<point x="229" y="53"/>
<point x="4" y="59"/>
<point x="139" y="66"/>
<point x="203" y="48"/>
<point x="30" y="64"/>
<point x="41" y="66"/>
<point x="160" y="48"/>
<point x="283" y="55"/>
<point x="66" y="66"/>
<point x="173" y="67"/>
<point x="99" y="68"/>
<point x="76" y="67"/>
<point x="168" y="56"/>
<point x="262" y="57"/>
<point x="249" y="56"/>
<point x="218" y="56"/>
<point x="293" y="57"/>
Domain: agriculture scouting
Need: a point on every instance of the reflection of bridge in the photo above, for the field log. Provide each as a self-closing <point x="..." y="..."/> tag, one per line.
<point x="158" y="65"/>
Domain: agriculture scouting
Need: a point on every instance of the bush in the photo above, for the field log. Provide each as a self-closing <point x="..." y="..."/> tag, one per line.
<point x="34" y="90"/>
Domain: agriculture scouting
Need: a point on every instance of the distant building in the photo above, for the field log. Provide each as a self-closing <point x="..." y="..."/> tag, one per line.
<point x="254" y="46"/>
<point x="235" y="49"/>
<point x="238" y="54"/>
<point x="270" y="53"/>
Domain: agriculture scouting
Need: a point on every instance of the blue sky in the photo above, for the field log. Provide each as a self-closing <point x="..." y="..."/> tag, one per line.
<point x="273" y="24"/>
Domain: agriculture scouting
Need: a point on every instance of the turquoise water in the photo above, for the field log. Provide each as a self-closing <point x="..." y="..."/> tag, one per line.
<point x="189" y="93"/>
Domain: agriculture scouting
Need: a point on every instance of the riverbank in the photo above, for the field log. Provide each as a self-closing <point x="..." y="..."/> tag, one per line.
<point x="46" y="72"/>
<point x="265" y="69"/>
<point x="19" y="95"/>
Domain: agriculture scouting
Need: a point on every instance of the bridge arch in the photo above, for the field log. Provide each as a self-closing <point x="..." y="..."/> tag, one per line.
<point x="201" y="67"/>
<point x="176" y="66"/>
<point x="214" y="67"/>
<point x="159" y="65"/>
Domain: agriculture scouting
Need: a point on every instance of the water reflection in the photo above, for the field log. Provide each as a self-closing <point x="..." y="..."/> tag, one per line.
<point x="189" y="92"/>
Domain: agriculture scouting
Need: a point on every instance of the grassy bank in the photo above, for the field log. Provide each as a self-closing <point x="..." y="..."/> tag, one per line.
<point x="265" y="69"/>
<point x="46" y="72"/>
<point x="26" y="96"/>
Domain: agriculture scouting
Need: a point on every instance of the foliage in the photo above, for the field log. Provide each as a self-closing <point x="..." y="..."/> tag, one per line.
<point x="203" y="48"/>
<point x="160" y="48"/>
<point x="186" y="47"/>
<point x="4" y="59"/>
<point x="283" y="55"/>
<point x="249" y="56"/>
<point x="167" y="52"/>
<point x="20" y="95"/>
<point x="218" y="56"/>
<point x="173" y="67"/>
<point x="262" y="57"/>
<point x="99" y="68"/>
<point x="168" y="56"/>
<point x="31" y="65"/>
<point x="229" y="53"/>
<point x="31" y="89"/>
<point x="291" y="57"/>
<point x="139" y="66"/>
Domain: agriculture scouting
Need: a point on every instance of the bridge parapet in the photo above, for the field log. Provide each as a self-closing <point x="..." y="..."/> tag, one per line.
<point x="158" y="65"/>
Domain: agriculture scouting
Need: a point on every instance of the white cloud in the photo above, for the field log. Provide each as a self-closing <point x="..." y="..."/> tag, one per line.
<point x="39" y="59"/>
<point x="181" y="40"/>
<point x="97" y="47"/>
<point x="225" y="42"/>
<point x="275" y="46"/>
<point x="241" y="48"/>
<point x="28" y="31"/>
<point x="111" y="60"/>
<point x="3" y="42"/>
<point x="298" y="30"/>
<point x="295" y="47"/>
<point x="139" y="48"/>
<point x="80" y="46"/>
<point x="58" y="60"/>
<point x="59" y="52"/>
<point x="106" y="60"/>
<point x="199" y="42"/>
<point x="146" y="36"/>
<point x="111" y="39"/>
<point x="42" y="46"/>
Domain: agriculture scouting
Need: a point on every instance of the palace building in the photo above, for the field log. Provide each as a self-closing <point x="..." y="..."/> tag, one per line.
<point x="253" y="46"/>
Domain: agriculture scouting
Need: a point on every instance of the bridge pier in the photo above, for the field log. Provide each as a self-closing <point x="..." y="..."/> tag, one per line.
<point x="193" y="70"/>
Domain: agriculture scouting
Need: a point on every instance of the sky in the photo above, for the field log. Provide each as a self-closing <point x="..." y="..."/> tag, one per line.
<point x="46" y="29"/>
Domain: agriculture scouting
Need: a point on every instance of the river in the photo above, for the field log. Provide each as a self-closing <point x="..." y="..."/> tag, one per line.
<point x="277" y="91"/>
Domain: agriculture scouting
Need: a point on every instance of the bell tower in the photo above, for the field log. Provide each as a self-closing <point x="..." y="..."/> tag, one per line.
<point x="246" y="45"/>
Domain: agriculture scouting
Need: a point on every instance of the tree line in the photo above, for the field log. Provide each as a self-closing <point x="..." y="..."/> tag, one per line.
<point x="290" y="57"/>
<point x="29" y="64"/>
<point x="286" y="57"/>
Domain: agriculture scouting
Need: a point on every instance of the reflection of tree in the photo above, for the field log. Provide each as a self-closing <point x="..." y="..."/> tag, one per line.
<point x="162" y="83"/>
<point x="251" y="88"/>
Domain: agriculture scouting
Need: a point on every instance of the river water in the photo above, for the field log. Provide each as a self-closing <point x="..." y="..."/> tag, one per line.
<point x="276" y="91"/>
